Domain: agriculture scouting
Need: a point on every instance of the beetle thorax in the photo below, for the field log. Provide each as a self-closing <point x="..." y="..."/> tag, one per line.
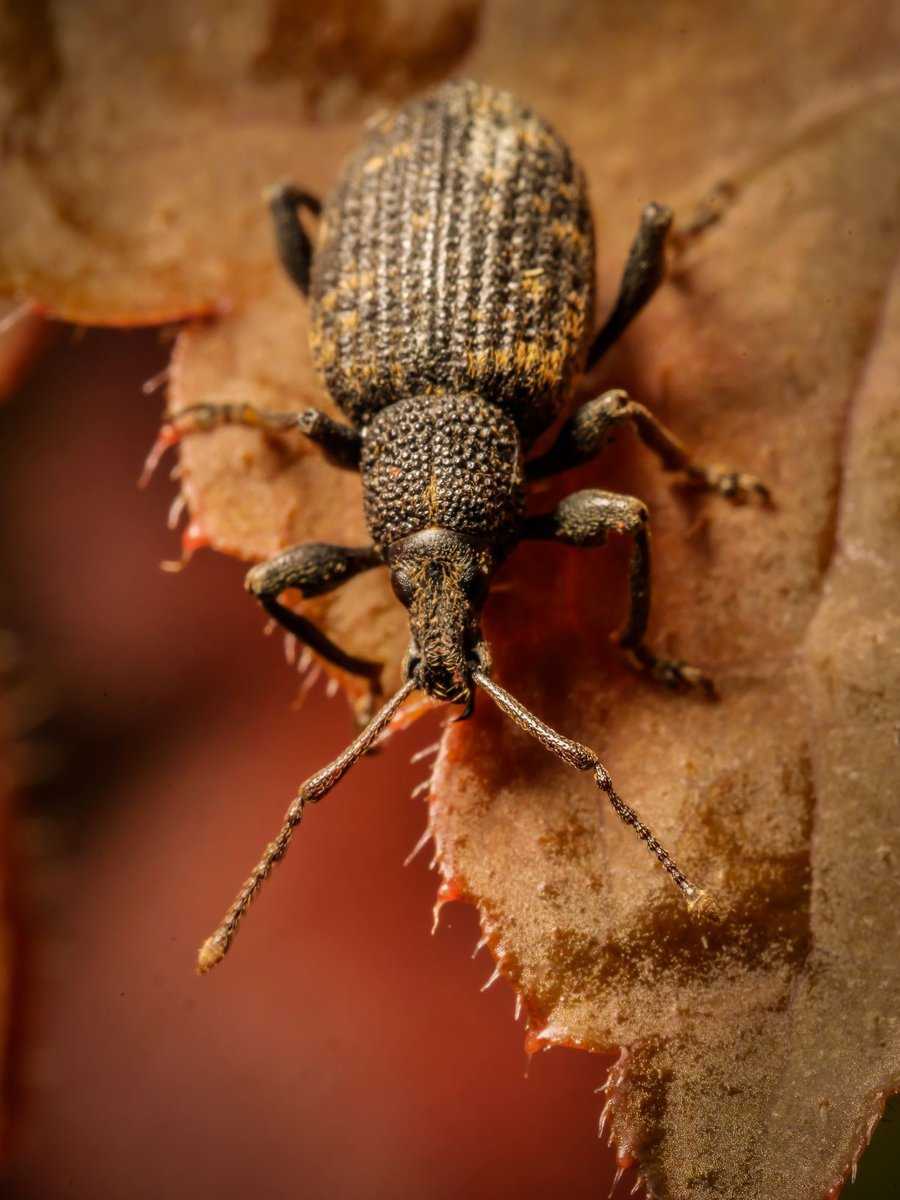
<point x="443" y="485"/>
<point x="447" y="462"/>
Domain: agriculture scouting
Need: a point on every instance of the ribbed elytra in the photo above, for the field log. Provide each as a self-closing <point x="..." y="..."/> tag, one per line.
<point x="456" y="255"/>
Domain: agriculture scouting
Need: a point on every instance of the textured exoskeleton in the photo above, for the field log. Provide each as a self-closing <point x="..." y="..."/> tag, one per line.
<point x="451" y="295"/>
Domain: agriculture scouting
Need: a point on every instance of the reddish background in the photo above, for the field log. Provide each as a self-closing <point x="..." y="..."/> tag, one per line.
<point x="341" y="1051"/>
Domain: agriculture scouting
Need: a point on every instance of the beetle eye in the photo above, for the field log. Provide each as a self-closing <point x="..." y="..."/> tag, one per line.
<point x="402" y="585"/>
<point x="475" y="585"/>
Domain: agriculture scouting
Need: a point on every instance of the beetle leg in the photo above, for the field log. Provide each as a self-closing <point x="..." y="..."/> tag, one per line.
<point x="584" y="519"/>
<point x="591" y="426"/>
<point x="315" y="568"/>
<point x="339" y="443"/>
<point x="658" y="245"/>
<point x="644" y="271"/>
<point x="291" y="239"/>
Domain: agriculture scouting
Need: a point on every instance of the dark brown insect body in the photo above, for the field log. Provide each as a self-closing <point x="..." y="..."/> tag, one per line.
<point x="455" y="257"/>
<point x="451" y="305"/>
<point x="452" y="296"/>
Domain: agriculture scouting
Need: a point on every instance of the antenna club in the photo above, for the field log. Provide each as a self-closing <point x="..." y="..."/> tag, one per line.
<point x="702" y="903"/>
<point x="210" y="953"/>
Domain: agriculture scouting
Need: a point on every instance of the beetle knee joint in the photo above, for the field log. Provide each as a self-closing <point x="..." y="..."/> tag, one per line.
<point x="309" y="421"/>
<point x="640" y="515"/>
<point x="261" y="580"/>
<point x="614" y="401"/>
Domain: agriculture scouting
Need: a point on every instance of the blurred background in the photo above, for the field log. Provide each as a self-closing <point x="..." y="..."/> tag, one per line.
<point x="341" y="1050"/>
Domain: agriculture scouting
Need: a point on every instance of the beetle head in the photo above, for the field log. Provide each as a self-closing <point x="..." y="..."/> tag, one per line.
<point x="442" y="578"/>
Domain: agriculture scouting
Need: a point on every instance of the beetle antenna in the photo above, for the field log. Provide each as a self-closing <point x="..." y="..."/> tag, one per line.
<point x="584" y="759"/>
<point x="216" y="946"/>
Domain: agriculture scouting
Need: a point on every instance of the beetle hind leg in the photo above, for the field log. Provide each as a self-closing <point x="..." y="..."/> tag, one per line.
<point x="291" y="240"/>
<point x="585" y="519"/>
<point x="645" y="269"/>
<point x="658" y="246"/>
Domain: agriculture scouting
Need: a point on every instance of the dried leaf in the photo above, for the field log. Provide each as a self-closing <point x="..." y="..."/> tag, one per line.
<point x="138" y="139"/>
<point x="759" y="1045"/>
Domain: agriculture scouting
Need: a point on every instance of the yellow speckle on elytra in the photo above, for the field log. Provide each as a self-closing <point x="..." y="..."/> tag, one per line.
<point x="323" y="349"/>
<point x="533" y="286"/>
<point x="566" y="231"/>
<point x="537" y="139"/>
<point x="476" y="362"/>
<point x="374" y="164"/>
<point x="355" y="281"/>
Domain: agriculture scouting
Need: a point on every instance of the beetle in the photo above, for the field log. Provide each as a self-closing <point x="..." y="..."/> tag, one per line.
<point x="451" y="293"/>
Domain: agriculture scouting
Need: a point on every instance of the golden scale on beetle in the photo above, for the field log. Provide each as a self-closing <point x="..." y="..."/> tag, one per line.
<point x="451" y="298"/>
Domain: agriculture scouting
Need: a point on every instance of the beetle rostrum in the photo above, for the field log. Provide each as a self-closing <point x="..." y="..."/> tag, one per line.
<point x="451" y="292"/>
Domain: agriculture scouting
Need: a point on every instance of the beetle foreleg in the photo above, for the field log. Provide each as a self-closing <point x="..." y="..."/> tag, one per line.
<point x="314" y="569"/>
<point x="291" y="239"/>
<point x="592" y="425"/>
<point x="584" y="519"/>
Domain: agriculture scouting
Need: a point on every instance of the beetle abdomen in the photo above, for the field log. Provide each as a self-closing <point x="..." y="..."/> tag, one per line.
<point x="455" y="255"/>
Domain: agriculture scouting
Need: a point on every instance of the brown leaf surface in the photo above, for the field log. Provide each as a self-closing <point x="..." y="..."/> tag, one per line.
<point x="138" y="138"/>
<point x="758" y="1045"/>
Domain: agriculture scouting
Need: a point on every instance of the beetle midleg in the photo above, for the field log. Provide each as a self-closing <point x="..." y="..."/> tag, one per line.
<point x="313" y="569"/>
<point x="291" y="239"/>
<point x="339" y="443"/>
<point x="591" y="426"/>
<point x="645" y="269"/>
<point x="584" y="519"/>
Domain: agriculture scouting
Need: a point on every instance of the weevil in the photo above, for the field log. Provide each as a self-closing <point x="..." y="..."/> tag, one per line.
<point x="451" y="292"/>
